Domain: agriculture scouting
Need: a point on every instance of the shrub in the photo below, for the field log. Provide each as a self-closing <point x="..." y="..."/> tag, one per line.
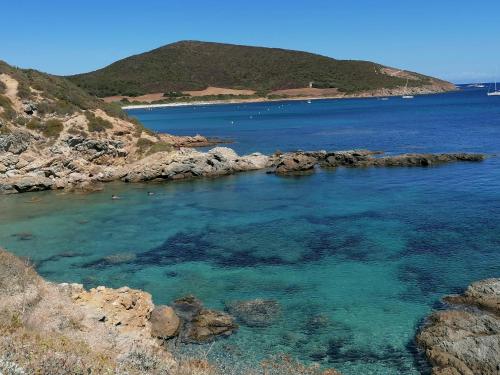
<point x="175" y="94"/>
<point x="97" y="124"/>
<point x="51" y="128"/>
<point x="8" y="112"/>
<point x="2" y="87"/>
<point x="148" y="147"/>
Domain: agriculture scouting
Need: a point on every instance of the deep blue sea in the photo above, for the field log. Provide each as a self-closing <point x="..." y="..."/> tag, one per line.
<point x="356" y="258"/>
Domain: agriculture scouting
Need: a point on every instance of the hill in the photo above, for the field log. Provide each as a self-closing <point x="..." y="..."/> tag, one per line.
<point x="193" y="65"/>
<point x="54" y="134"/>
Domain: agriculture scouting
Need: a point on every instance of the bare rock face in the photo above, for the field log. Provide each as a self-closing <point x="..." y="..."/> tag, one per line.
<point x="295" y="163"/>
<point x="210" y="323"/>
<point x="165" y="323"/>
<point x="466" y="340"/>
<point x="25" y="184"/>
<point x="188" y="163"/>
<point x="125" y="308"/>
<point x="16" y="142"/>
<point x="200" y="324"/>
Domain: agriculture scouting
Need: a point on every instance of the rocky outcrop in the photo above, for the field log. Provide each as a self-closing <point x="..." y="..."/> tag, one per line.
<point x="125" y="308"/>
<point x="290" y="163"/>
<point x="26" y="184"/>
<point x="465" y="340"/>
<point x="16" y="142"/>
<point x="200" y="324"/>
<point x="295" y="163"/>
<point x="81" y="162"/>
<point x="188" y="163"/>
<point x="255" y="313"/>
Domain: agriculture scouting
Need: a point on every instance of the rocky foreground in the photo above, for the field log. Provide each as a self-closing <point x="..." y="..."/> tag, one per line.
<point x="465" y="339"/>
<point x="48" y="328"/>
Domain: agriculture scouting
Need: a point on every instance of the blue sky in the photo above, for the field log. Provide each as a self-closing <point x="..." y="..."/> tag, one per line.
<point x="456" y="40"/>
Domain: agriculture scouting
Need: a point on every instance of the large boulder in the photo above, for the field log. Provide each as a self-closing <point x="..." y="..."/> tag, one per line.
<point x="28" y="184"/>
<point x="200" y="324"/>
<point x="125" y="308"/>
<point x="295" y="163"/>
<point x="165" y="323"/>
<point x="465" y="340"/>
<point x="255" y="313"/>
<point x="209" y="324"/>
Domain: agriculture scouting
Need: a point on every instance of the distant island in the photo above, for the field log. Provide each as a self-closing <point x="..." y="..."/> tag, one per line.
<point x="192" y="71"/>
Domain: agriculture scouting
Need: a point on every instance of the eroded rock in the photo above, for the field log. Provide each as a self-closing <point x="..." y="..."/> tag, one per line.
<point x="164" y="322"/>
<point x="125" y="308"/>
<point x="466" y="339"/>
<point x="200" y="324"/>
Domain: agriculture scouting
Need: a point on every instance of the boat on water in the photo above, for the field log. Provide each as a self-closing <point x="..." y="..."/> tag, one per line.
<point x="406" y="94"/>
<point x="477" y="85"/>
<point x="495" y="92"/>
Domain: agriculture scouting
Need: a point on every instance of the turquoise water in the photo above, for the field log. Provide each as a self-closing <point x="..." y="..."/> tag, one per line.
<point x="356" y="258"/>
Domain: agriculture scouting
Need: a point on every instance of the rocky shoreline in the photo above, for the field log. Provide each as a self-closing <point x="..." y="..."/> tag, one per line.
<point x="73" y="166"/>
<point x="63" y="328"/>
<point x="126" y="329"/>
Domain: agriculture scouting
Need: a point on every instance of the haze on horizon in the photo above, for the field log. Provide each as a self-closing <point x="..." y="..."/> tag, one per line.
<point x="453" y="40"/>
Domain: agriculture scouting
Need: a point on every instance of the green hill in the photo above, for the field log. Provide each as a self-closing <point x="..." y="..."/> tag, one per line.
<point x="192" y="65"/>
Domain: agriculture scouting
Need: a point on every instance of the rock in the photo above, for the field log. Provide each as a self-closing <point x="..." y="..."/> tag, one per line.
<point x="188" y="307"/>
<point x="295" y="163"/>
<point x="165" y="323"/>
<point x="483" y="294"/>
<point x="208" y="324"/>
<point x="466" y="339"/>
<point x="199" y="324"/>
<point x="16" y="142"/>
<point x="255" y="313"/>
<point x="29" y="107"/>
<point x="30" y="183"/>
<point x="125" y="308"/>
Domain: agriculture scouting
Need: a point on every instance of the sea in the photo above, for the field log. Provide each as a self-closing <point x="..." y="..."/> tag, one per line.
<point x="355" y="259"/>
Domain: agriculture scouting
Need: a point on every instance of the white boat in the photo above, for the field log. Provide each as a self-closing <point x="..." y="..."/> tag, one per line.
<point x="309" y="102"/>
<point x="495" y="92"/>
<point x="406" y="95"/>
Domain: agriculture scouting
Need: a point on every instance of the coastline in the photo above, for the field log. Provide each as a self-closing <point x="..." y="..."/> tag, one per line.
<point x="364" y="95"/>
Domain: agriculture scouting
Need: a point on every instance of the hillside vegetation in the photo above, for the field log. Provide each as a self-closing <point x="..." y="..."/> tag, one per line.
<point x="192" y="65"/>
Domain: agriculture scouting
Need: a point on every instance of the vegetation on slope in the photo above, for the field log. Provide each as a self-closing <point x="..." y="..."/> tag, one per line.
<point x="191" y="65"/>
<point x="60" y="96"/>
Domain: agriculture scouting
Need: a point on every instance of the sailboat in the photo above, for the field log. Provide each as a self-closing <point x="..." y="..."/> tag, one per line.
<point x="496" y="92"/>
<point x="406" y="95"/>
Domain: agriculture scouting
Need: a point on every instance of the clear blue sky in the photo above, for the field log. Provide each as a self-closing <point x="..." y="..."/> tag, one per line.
<point x="457" y="40"/>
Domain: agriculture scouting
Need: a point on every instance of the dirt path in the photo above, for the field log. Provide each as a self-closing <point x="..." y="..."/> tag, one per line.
<point x="11" y="90"/>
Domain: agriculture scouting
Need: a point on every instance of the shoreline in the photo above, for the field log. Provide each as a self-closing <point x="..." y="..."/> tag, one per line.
<point x="290" y="99"/>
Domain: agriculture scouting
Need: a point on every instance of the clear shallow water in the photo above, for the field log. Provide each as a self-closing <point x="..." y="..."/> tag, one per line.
<point x="368" y="252"/>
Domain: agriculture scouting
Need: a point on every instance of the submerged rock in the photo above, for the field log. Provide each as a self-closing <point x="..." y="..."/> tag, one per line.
<point x="255" y="313"/>
<point x="466" y="339"/>
<point x="188" y="307"/>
